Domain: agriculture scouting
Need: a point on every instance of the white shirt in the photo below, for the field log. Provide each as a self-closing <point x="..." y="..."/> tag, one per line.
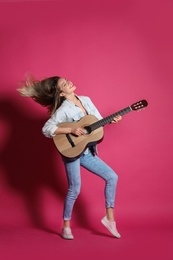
<point x="69" y="112"/>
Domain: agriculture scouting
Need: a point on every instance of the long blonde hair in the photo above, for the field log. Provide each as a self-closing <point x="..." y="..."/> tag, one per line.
<point x="45" y="92"/>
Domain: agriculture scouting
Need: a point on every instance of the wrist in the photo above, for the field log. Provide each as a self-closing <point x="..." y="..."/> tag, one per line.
<point x="69" y="130"/>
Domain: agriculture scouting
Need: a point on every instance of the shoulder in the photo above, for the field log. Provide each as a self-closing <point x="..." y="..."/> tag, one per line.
<point x="62" y="109"/>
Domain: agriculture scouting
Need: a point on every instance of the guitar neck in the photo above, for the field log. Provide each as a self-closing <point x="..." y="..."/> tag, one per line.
<point x="108" y="119"/>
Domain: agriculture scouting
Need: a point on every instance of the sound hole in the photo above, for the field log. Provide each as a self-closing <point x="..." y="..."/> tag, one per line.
<point x="87" y="130"/>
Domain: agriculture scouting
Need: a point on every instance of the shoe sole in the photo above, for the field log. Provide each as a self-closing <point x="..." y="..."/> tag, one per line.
<point x="67" y="238"/>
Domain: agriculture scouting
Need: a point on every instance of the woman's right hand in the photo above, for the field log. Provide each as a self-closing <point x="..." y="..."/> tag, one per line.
<point x="77" y="131"/>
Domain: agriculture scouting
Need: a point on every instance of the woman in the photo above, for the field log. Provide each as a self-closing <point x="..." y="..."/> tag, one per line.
<point x="58" y="95"/>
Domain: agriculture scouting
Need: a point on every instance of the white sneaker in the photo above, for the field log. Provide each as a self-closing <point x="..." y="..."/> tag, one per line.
<point x="111" y="226"/>
<point x="66" y="233"/>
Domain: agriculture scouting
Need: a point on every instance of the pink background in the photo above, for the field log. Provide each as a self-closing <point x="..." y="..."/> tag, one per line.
<point x="116" y="52"/>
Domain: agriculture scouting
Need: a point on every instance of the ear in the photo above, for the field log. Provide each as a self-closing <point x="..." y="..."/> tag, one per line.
<point x="62" y="94"/>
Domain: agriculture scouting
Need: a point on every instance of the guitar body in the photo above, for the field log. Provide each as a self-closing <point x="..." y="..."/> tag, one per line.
<point x="80" y="143"/>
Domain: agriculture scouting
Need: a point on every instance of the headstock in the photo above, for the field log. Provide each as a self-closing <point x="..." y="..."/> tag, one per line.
<point x="139" y="105"/>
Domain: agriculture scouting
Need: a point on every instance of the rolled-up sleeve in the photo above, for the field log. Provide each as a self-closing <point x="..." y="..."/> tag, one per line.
<point x="49" y="129"/>
<point x="51" y="124"/>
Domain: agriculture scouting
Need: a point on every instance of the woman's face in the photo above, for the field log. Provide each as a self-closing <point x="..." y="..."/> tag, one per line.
<point x="66" y="86"/>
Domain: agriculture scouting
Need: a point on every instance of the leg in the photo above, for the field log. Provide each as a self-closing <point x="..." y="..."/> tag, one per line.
<point x="74" y="184"/>
<point x="95" y="165"/>
<point x="100" y="168"/>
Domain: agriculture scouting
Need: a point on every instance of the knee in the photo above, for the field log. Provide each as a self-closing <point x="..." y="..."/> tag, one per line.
<point x="113" y="178"/>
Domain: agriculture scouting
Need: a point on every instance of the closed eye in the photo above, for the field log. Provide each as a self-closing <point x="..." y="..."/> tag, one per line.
<point x="65" y="83"/>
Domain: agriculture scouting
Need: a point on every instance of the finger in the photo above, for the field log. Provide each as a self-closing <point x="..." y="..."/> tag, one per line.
<point x="118" y="118"/>
<point x="81" y="130"/>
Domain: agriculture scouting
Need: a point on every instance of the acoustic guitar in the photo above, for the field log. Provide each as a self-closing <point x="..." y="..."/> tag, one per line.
<point x="72" y="146"/>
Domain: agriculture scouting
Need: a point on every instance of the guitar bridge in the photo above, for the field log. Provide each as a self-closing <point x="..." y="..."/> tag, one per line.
<point x="70" y="140"/>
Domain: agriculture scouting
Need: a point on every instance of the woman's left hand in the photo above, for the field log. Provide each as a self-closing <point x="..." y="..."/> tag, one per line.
<point x="116" y="119"/>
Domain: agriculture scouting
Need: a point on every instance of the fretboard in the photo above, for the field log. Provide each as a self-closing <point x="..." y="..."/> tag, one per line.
<point x="108" y="119"/>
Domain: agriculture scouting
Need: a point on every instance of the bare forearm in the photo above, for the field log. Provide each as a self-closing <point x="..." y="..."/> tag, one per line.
<point x="68" y="130"/>
<point x="63" y="130"/>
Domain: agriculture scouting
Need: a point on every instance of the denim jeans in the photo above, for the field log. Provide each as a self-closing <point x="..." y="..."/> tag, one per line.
<point x="95" y="165"/>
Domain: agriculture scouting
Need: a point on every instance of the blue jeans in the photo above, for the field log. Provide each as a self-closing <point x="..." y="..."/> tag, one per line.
<point x="95" y="165"/>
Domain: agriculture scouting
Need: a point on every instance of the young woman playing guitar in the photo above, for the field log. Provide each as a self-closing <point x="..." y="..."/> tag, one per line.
<point x="65" y="106"/>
